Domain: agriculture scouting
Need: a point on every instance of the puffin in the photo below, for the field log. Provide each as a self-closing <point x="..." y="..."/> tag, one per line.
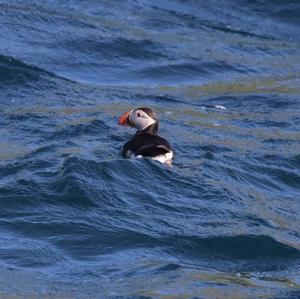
<point x="146" y="142"/>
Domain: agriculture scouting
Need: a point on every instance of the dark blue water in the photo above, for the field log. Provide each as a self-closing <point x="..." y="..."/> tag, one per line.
<point x="78" y="221"/>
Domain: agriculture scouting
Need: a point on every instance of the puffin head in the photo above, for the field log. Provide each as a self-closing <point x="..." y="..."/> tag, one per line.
<point x="140" y="118"/>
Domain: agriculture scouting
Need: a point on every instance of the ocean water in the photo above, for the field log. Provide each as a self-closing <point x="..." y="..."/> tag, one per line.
<point x="79" y="221"/>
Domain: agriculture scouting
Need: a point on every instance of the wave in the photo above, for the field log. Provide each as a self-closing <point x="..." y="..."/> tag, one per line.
<point x="99" y="204"/>
<point x="14" y="72"/>
<point x="224" y="81"/>
<point x="116" y="48"/>
<point x="242" y="247"/>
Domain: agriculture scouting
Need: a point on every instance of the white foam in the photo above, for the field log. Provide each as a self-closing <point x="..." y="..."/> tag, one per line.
<point x="220" y="107"/>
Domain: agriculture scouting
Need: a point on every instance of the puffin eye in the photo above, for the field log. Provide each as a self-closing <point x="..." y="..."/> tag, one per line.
<point x="138" y="114"/>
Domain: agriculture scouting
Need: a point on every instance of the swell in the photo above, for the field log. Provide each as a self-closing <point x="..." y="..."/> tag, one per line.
<point x="191" y="70"/>
<point x="15" y="72"/>
<point x="26" y="252"/>
<point x="126" y="55"/>
<point x="98" y="204"/>
<point x="64" y="241"/>
<point x="197" y="15"/>
<point x="284" y="12"/>
<point x="258" y="173"/>
<point x="195" y="22"/>
<point x="72" y="207"/>
<point x="117" y="48"/>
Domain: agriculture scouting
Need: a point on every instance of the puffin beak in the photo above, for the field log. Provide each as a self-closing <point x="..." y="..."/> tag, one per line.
<point x="123" y="118"/>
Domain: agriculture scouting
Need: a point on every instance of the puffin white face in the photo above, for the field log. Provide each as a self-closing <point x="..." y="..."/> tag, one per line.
<point x="140" y="119"/>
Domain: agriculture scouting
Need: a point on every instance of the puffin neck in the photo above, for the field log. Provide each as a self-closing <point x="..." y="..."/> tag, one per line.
<point x="152" y="129"/>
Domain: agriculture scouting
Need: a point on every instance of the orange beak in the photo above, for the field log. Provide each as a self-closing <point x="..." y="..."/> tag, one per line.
<point x="123" y="118"/>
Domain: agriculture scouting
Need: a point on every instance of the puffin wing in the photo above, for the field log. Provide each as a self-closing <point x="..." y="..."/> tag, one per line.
<point x="148" y="145"/>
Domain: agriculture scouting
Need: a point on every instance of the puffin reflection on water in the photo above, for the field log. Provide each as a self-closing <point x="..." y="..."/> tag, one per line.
<point x="145" y="142"/>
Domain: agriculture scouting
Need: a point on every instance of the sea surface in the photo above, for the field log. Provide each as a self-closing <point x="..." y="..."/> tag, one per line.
<point x="79" y="221"/>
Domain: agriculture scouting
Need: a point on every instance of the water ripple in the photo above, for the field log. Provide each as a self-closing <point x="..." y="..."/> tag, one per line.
<point x="78" y="220"/>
